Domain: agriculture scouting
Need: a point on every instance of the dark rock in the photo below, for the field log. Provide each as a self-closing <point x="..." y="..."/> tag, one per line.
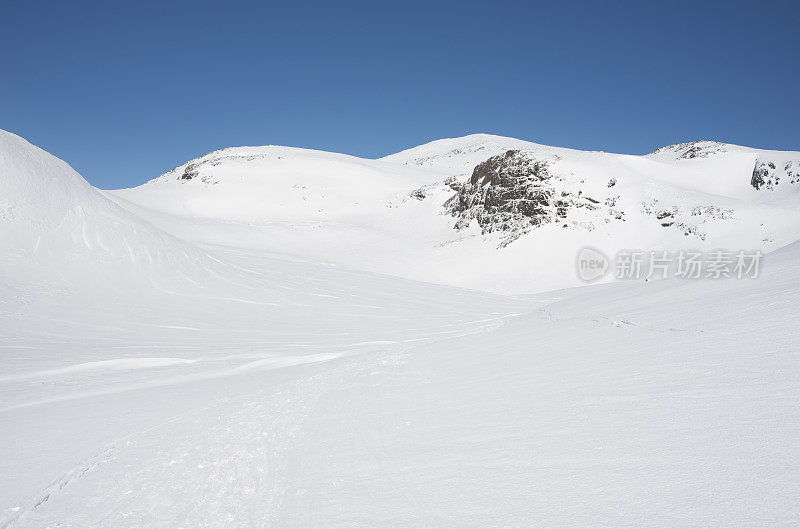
<point x="757" y="180"/>
<point x="419" y="194"/>
<point x="190" y="172"/>
<point x="513" y="193"/>
<point x="506" y="193"/>
<point x="453" y="183"/>
<point x="663" y="214"/>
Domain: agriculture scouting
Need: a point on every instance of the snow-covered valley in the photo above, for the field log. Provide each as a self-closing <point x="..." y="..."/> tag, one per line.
<point x="278" y="337"/>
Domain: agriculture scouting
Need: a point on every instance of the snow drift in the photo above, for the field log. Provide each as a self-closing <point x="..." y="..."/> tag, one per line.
<point x="58" y="232"/>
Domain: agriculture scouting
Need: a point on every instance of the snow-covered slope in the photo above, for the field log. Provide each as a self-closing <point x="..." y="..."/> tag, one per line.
<point x="58" y="232"/>
<point x="457" y="156"/>
<point x="222" y="387"/>
<point x="771" y="170"/>
<point x="281" y="184"/>
<point x="423" y="214"/>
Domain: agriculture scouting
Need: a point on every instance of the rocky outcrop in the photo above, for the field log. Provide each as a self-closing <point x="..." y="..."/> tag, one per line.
<point x="690" y="222"/>
<point x="190" y="172"/>
<point x="768" y="174"/>
<point x="508" y="193"/>
<point x="513" y="193"/>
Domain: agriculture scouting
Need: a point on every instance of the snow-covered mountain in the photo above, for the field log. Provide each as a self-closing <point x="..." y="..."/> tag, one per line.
<point x="485" y="212"/>
<point x="214" y="349"/>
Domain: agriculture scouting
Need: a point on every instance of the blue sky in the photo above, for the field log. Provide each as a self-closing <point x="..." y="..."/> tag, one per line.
<point x="125" y="92"/>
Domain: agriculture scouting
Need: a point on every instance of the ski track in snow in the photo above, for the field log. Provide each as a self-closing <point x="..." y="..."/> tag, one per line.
<point x="253" y="433"/>
<point x="248" y="445"/>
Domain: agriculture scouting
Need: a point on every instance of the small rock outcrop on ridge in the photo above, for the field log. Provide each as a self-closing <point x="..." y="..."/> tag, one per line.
<point x="768" y="174"/>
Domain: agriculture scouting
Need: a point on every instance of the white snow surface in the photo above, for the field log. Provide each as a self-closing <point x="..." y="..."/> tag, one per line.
<point x="361" y="213"/>
<point x="286" y="340"/>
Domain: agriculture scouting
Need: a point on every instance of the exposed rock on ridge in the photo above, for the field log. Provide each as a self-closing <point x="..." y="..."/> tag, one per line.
<point x="767" y="174"/>
<point x="513" y="193"/>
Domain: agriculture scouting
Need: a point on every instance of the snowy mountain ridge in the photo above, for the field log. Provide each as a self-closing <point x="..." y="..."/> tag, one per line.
<point x="412" y="213"/>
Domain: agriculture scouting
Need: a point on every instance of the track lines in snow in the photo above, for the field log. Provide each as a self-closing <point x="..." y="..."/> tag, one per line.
<point x="59" y="485"/>
<point x="209" y="373"/>
<point x="16" y="513"/>
<point x="119" y="364"/>
<point x="224" y="465"/>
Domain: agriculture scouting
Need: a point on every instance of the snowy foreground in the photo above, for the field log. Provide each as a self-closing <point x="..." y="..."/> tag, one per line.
<point x="165" y="368"/>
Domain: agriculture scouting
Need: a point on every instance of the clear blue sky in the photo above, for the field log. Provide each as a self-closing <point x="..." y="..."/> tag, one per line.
<point x="126" y="91"/>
